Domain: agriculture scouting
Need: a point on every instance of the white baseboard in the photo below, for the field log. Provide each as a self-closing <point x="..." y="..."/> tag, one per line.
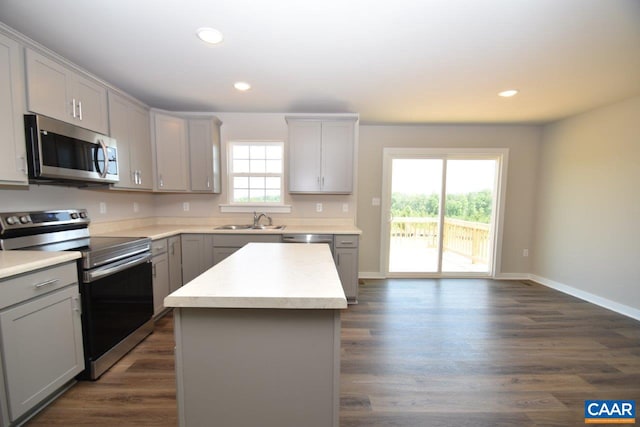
<point x="370" y="275"/>
<point x="511" y="276"/>
<point x="625" y="310"/>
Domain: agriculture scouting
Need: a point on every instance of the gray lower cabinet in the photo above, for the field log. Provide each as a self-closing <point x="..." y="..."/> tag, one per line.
<point x="41" y="333"/>
<point x="160" y="266"/>
<point x="167" y="270"/>
<point x="345" y="253"/>
<point x="175" y="263"/>
<point x="196" y="255"/>
<point x="226" y="244"/>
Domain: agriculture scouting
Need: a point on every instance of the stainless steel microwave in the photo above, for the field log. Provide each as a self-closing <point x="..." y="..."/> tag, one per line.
<point x="58" y="151"/>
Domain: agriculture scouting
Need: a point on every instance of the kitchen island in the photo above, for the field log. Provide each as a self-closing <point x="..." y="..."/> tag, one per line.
<point x="258" y="339"/>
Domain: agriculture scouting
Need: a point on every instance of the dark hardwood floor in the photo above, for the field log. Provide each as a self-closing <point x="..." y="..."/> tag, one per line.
<point x="448" y="352"/>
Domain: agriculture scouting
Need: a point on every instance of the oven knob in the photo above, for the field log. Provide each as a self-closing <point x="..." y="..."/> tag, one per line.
<point x="83" y="214"/>
<point x="11" y="220"/>
<point x="74" y="215"/>
<point x="25" y="219"/>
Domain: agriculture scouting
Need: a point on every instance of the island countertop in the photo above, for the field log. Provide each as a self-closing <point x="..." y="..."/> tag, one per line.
<point x="267" y="275"/>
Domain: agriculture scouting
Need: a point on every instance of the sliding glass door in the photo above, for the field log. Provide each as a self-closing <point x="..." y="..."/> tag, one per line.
<point x="441" y="212"/>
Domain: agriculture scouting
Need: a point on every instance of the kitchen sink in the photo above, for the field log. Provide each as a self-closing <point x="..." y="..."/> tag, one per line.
<point x="234" y="227"/>
<point x="267" y="227"/>
<point x="250" y="227"/>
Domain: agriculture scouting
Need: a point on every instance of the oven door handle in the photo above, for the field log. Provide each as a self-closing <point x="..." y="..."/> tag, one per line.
<point x="117" y="267"/>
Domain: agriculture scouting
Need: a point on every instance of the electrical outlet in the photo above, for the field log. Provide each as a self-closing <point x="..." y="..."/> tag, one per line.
<point x="345" y="207"/>
<point x="136" y="207"/>
<point x="375" y="201"/>
<point x="318" y="207"/>
<point x="525" y="252"/>
<point x="103" y="208"/>
<point x="186" y="206"/>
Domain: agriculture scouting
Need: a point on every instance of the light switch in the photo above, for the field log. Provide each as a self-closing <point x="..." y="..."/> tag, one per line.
<point x="375" y="201"/>
<point x="318" y="207"/>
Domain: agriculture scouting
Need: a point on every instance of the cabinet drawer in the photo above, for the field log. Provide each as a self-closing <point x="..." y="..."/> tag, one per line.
<point x="158" y="247"/>
<point x="30" y="285"/>
<point x="345" y="240"/>
<point x="239" y="240"/>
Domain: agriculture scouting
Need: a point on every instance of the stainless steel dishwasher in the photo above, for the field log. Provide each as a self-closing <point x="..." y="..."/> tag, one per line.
<point x="309" y="238"/>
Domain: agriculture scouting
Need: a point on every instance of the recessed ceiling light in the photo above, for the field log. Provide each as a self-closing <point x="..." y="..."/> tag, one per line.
<point x="508" y="93"/>
<point x="242" y="86"/>
<point x="209" y="35"/>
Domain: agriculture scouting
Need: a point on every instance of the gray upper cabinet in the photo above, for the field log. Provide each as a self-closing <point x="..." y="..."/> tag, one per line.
<point x="61" y="93"/>
<point x="170" y="152"/>
<point x="129" y="125"/>
<point x="204" y="154"/>
<point x="321" y="155"/>
<point x="13" y="162"/>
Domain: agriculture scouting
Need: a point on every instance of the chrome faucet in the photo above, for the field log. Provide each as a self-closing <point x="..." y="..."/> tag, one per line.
<point x="257" y="216"/>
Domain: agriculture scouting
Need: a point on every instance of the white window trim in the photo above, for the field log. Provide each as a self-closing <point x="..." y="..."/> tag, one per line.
<point x="238" y="208"/>
<point x="231" y="207"/>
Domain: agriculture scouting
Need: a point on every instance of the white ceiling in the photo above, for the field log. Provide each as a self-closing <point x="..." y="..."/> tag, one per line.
<point x="402" y="61"/>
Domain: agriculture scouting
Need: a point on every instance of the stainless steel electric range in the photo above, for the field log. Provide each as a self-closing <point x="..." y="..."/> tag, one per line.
<point x="114" y="275"/>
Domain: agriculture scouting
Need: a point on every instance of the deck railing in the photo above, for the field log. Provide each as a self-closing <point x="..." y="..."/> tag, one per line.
<point x="466" y="238"/>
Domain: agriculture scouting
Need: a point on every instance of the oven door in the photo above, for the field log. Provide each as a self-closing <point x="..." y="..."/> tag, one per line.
<point x="116" y="300"/>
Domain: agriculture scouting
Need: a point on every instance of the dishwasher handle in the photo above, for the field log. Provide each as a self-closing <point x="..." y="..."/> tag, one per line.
<point x="308" y="238"/>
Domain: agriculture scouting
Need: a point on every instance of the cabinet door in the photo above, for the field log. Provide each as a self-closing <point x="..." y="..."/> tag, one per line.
<point x="304" y="156"/>
<point x="347" y="266"/>
<point x="141" y="147"/>
<point x="42" y="347"/>
<point x="337" y="156"/>
<point x="160" y="282"/>
<point x="192" y="250"/>
<point x="175" y="263"/>
<point x="48" y="83"/>
<point x="129" y="125"/>
<point x="221" y="253"/>
<point x="201" y="154"/>
<point x="170" y="141"/>
<point x="119" y="128"/>
<point x="91" y="104"/>
<point x="13" y="168"/>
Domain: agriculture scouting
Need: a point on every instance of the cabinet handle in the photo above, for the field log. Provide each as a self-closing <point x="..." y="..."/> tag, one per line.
<point x="154" y="271"/>
<point x="173" y="248"/>
<point x="346" y="242"/>
<point x="24" y="164"/>
<point x="73" y="103"/>
<point x="323" y="181"/>
<point x="338" y="260"/>
<point x="208" y="182"/>
<point x="161" y="181"/>
<point x="46" y="283"/>
<point x="139" y="177"/>
<point x="80" y="109"/>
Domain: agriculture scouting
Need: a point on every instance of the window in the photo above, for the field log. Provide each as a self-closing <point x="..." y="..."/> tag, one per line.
<point x="255" y="172"/>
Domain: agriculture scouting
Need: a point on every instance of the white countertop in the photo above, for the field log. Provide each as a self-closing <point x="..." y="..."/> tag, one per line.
<point x="267" y="275"/>
<point x="156" y="232"/>
<point x="17" y="262"/>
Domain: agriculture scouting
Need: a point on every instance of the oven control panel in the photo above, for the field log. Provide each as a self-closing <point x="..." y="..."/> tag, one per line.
<point x="17" y="220"/>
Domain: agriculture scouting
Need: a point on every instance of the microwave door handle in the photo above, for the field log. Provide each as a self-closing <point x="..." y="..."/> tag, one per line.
<point x="103" y="146"/>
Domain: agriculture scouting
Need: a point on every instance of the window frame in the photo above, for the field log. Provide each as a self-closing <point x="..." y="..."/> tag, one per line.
<point x="231" y="174"/>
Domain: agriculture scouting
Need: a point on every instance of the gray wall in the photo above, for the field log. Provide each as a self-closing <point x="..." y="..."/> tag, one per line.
<point x="523" y="145"/>
<point x="587" y="231"/>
